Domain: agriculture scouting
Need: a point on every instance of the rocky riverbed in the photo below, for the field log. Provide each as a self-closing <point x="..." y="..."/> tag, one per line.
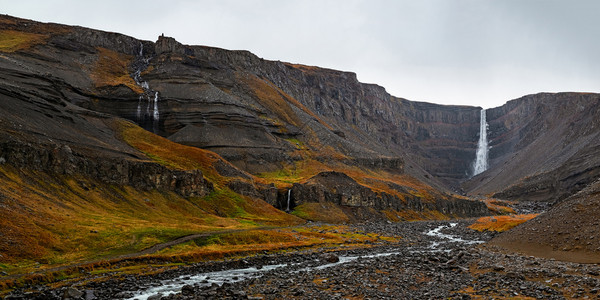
<point x="434" y="260"/>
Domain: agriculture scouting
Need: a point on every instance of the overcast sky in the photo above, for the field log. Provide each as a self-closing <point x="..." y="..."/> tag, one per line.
<point x="471" y="52"/>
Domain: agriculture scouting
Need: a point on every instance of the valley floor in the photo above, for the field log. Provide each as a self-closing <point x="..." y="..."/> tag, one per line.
<point x="433" y="260"/>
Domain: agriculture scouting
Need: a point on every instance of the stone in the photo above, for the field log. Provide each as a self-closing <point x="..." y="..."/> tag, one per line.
<point x="72" y="293"/>
<point x="90" y="295"/>
<point x="329" y="257"/>
<point x="155" y="297"/>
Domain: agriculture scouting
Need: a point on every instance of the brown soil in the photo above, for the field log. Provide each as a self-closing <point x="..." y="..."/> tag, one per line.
<point x="568" y="231"/>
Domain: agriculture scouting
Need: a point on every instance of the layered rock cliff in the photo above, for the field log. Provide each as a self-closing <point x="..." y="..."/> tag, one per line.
<point x="65" y="88"/>
<point x="271" y="117"/>
<point x="543" y="147"/>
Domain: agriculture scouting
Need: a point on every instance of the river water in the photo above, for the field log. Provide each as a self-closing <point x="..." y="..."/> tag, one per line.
<point x="437" y="237"/>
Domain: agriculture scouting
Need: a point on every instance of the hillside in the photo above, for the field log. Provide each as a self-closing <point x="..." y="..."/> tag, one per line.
<point x="110" y="145"/>
<point x="568" y="231"/>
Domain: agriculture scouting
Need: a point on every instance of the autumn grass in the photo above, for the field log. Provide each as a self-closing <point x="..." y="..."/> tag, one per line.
<point x="168" y="153"/>
<point x="111" y="69"/>
<point x="11" y="40"/>
<point x="321" y="212"/>
<point x="500" y="207"/>
<point x="412" y="215"/>
<point x="276" y="100"/>
<point x="281" y="239"/>
<point x="501" y="223"/>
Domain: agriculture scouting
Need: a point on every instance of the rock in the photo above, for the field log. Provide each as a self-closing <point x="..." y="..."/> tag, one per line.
<point x="498" y="268"/>
<point x="89" y="295"/>
<point x="72" y="293"/>
<point x="155" y="297"/>
<point x="329" y="257"/>
<point x="187" y="289"/>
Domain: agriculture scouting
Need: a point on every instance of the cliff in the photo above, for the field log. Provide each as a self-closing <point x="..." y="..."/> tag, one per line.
<point x="543" y="147"/>
<point x="263" y="126"/>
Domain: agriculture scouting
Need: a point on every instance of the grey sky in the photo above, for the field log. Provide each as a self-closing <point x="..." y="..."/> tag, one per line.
<point x="472" y="52"/>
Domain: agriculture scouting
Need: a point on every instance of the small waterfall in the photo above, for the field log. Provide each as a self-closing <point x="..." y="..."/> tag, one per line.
<point x="138" y="113"/>
<point x="481" y="160"/>
<point x="288" y="200"/>
<point x="155" y="114"/>
<point x="149" y="120"/>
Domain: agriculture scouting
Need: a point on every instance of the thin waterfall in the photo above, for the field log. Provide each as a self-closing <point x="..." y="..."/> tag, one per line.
<point x="481" y="160"/>
<point x="138" y="113"/>
<point x="150" y="118"/>
<point x="155" y="113"/>
<point x="288" y="199"/>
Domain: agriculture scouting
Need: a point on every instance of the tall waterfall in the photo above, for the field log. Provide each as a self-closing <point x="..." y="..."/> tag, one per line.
<point x="481" y="161"/>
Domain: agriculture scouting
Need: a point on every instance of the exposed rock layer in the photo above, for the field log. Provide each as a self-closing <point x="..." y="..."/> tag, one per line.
<point x="261" y="115"/>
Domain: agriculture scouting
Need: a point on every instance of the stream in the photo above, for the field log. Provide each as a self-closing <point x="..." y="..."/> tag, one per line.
<point x="439" y="241"/>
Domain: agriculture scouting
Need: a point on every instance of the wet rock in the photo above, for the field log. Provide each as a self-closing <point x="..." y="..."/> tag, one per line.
<point x="155" y="297"/>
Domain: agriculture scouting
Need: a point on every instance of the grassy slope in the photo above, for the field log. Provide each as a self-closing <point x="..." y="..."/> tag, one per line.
<point x="66" y="219"/>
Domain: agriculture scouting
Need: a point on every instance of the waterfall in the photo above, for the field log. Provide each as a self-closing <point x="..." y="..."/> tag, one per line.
<point x="155" y="110"/>
<point x="138" y="113"/>
<point x="288" y="199"/>
<point x="481" y="160"/>
<point x="149" y="120"/>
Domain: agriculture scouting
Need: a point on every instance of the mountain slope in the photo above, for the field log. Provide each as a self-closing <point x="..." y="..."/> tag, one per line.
<point x="568" y="231"/>
<point x="79" y="181"/>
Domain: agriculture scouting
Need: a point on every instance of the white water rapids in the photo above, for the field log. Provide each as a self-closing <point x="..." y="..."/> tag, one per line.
<point x="481" y="160"/>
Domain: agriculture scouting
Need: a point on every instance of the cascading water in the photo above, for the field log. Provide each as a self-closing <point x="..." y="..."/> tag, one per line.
<point x="138" y="113"/>
<point x="481" y="160"/>
<point x="289" y="196"/>
<point x="155" y="114"/>
<point x="150" y="119"/>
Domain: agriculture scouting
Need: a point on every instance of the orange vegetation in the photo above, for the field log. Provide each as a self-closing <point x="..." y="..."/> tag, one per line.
<point x="276" y="100"/>
<point x="168" y="153"/>
<point x="57" y="220"/>
<point x="11" y="41"/>
<point x="111" y="69"/>
<point x="321" y="212"/>
<point x="499" y="206"/>
<point x="500" y="223"/>
<point x="254" y="241"/>
<point x="411" y="215"/>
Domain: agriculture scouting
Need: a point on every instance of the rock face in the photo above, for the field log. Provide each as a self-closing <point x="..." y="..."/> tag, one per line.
<point x="264" y="116"/>
<point x="543" y="147"/>
<point x="340" y="189"/>
<point x="248" y="109"/>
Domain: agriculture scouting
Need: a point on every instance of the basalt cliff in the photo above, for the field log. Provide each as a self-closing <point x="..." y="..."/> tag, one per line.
<point x="226" y="134"/>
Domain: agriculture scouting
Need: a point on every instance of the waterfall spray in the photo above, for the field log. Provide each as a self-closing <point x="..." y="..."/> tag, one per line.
<point x="481" y="160"/>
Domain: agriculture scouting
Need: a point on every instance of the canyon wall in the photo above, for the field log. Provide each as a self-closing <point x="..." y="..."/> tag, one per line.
<point x="264" y="116"/>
